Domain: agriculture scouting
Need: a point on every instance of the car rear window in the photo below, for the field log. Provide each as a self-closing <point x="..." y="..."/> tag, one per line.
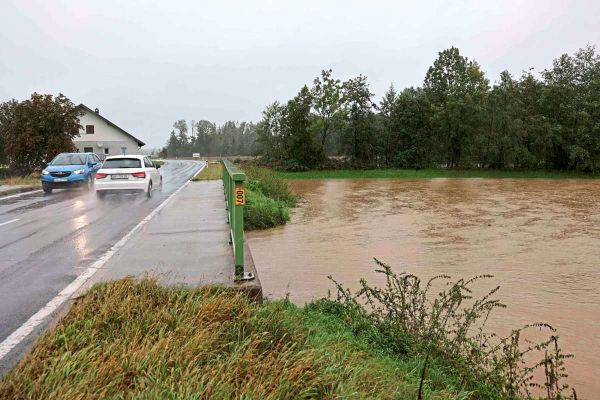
<point x="122" y="163"/>
<point x="69" y="159"/>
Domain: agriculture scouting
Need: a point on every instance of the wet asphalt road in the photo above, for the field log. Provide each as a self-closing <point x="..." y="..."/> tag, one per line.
<point x="52" y="239"/>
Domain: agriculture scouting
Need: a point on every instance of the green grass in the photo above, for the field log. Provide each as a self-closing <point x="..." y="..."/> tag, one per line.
<point x="270" y="184"/>
<point x="433" y="173"/>
<point x="135" y="339"/>
<point x="263" y="212"/>
<point x="212" y="171"/>
<point x="269" y="199"/>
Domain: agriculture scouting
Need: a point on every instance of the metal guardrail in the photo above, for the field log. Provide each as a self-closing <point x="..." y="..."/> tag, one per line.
<point x="235" y="198"/>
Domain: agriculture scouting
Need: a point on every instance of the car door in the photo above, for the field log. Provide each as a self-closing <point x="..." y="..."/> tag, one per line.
<point x="152" y="171"/>
<point x="92" y="165"/>
<point x="89" y="161"/>
<point x="98" y="162"/>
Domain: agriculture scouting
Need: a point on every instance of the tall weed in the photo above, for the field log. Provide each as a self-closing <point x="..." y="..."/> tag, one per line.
<point x="407" y="316"/>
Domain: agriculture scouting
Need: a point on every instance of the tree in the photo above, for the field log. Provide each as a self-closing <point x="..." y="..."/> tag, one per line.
<point x="173" y="148"/>
<point x="205" y="130"/>
<point x="411" y="119"/>
<point x="3" y="157"/>
<point x="300" y="145"/>
<point x="571" y="102"/>
<point x="270" y="131"/>
<point x="36" y="130"/>
<point x="327" y="105"/>
<point x="501" y="144"/>
<point x="389" y="137"/>
<point x="183" y="141"/>
<point x="457" y="88"/>
<point x="360" y="137"/>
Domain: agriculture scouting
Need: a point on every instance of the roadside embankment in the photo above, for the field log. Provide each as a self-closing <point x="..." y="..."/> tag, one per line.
<point x="10" y="185"/>
<point x="133" y="338"/>
<point x="136" y="339"/>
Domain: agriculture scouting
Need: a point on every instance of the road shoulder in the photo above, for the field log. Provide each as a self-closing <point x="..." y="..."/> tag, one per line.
<point x="187" y="243"/>
<point x="9" y="190"/>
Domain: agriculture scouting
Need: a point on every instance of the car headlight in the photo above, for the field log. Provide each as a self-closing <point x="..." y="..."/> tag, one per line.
<point x="79" y="171"/>
<point x="44" y="172"/>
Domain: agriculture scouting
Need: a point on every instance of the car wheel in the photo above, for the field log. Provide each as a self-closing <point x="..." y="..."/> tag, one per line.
<point x="47" y="189"/>
<point x="149" y="192"/>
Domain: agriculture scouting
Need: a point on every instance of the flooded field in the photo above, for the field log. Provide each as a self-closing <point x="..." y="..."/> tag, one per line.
<point x="539" y="238"/>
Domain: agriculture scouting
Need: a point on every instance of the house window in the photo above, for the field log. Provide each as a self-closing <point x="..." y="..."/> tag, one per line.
<point x="106" y="151"/>
<point x="89" y="129"/>
<point x="88" y="149"/>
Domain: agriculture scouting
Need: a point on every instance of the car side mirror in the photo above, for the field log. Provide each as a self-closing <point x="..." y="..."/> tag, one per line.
<point x="93" y="164"/>
<point x="157" y="166"/>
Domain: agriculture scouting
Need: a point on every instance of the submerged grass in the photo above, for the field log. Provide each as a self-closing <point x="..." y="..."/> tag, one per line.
<point x="433" y="173"/>
<point x="135" y="339"/>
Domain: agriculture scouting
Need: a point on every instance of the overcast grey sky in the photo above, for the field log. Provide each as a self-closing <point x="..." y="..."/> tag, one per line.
<point x="145" y="63"/>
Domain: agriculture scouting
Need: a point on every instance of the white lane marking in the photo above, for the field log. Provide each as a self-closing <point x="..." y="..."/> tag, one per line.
<point x="19" y="194"/>
<point x="36" y="319"/>
<point x="9" y="222"/>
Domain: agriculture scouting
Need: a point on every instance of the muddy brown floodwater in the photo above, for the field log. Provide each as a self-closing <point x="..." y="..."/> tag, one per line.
<point x="539" y="238"/>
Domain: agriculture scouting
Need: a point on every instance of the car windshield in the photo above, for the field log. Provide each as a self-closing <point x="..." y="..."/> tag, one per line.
<point x="122" y="163"/>
<point x="69" y="159"/>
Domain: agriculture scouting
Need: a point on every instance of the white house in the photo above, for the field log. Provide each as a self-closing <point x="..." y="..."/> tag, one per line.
<point x="99" y="135"/>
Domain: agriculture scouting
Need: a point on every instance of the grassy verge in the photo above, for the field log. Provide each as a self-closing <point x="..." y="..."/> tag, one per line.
<point x="157" y="163"/>
<point x="432" y="173"/>
<point x="32" y="179"/>
<point x="134" y="339"/>
<point x="212" y="171"/>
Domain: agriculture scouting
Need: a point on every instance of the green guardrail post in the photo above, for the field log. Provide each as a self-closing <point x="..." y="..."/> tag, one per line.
<point x="235" y="198"/>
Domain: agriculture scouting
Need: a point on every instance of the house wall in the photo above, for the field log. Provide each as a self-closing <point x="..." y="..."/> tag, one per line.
<point x="110" y="137"/>
<point x="114" y="147"/>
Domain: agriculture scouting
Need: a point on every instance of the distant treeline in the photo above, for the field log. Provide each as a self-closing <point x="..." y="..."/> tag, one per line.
<point x="208" y="139"/>
<point x="455" y="119"/>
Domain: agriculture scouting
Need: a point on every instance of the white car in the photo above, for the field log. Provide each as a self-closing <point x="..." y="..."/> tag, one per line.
<point x="127" y="173"/>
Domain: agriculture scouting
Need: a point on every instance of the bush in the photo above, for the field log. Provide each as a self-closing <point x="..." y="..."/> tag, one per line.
<point x="263" y="212"/>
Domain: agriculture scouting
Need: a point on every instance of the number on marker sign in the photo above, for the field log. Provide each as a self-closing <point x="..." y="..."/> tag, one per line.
<point x="240" y="196"/>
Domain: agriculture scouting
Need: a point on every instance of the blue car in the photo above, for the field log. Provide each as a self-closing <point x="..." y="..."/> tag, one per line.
<point x="71" y="170"/>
